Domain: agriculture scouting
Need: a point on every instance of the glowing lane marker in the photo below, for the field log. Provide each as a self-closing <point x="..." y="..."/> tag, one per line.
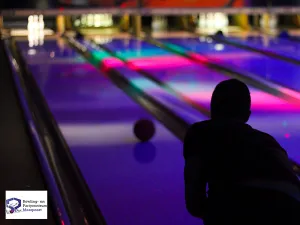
<point x="160" y="61"/>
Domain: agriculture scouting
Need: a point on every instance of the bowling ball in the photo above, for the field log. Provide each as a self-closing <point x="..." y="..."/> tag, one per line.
<point x="284" y="34"/>
<point x="219" y="33"/>
<point x="144" y="130"/>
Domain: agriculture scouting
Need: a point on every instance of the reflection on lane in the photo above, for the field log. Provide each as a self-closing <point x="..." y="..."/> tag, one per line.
<point x="271" y="69"/>
<point x="270" y="114"/>
<point x="124" y="176"/>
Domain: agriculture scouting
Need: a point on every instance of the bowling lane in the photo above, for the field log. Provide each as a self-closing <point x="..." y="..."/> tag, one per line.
<point x="281" y="46"/>
<point x="270" y="114"/>
<point x="274" y="70"/>
<point x="132" y="182"/>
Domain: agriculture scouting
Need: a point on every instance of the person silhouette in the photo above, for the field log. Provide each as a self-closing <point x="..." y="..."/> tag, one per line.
<point x="248" y="175"/>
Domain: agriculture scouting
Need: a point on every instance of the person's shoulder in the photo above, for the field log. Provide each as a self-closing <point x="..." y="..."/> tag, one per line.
<point x="191" y="141"/>
<point x="199" y="126"/>
<point x="262" y="134"/>
<point x="197" y="129"/>
<point x="264" y="137"/>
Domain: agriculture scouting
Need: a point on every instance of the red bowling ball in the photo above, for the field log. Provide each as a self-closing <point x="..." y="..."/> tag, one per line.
<point x="144" y="130"/>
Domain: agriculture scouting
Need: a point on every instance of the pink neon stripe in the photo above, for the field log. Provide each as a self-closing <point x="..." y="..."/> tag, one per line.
<point x="260" y="101"/>
<point x="198" y="57"/>
<point x="159" y="61"/>
<point x="110" y="63"/>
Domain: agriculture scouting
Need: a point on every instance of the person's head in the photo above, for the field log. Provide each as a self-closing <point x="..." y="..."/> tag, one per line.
<point x="231" y="100"/>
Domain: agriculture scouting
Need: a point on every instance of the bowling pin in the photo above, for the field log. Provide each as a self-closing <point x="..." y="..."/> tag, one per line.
<point x="94" y="20"/>
<point x="32" y="28"/>
<point x="41" y="22"/>
<point x="77" y="23"/>
<point x="83" y="20"/>
<point x="210" y="20"/>
<point x="104" y="20"/>
<point x="217" y="21"/>
<point x="29" y="24"/>
<point x="30" y="40"/>
<point x="273" y="21"/>
<point x="97" y="20"/>
<point x="90" y="20"/>
<point x="41" y="37"/>
<point x="153" y="24"/>
<point x="201" y="21"/>
<point x="111" y="21"/>
<point x="100" y="20"/>
<point x="35" y="22"/>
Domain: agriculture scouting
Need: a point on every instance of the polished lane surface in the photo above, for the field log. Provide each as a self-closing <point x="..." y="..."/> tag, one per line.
<point x="270" y="114"/>
<point x="274" y="70"/>
<point x="281" y="46"/>
<point x="133" y="183"/>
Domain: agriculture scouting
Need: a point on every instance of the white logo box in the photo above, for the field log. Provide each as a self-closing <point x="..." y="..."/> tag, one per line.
<point x="26" y="204"/>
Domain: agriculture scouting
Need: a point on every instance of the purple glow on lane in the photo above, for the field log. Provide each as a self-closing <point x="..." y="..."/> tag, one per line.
<point x="133" y="183"/>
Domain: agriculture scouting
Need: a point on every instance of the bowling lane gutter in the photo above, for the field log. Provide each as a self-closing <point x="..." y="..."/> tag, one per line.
<point x="79" y="205"/>
<point x="163" y="114"/>
<point x="198" y="106"/>
<point x="249" y="78"/>
<point x="296" y="166"/>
